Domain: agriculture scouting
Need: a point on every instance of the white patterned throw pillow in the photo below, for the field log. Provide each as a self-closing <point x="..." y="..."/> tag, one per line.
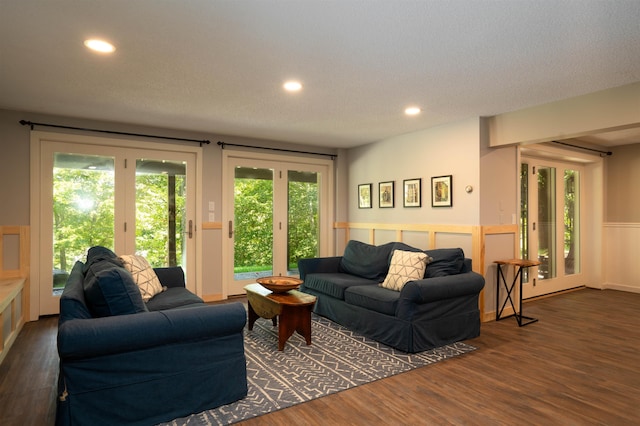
<point x="405" y="266"/>
<point x="143" y="275"/>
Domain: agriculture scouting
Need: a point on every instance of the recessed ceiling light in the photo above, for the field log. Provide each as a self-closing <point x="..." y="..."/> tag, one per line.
<point x="100" y="45"/>
<point x="292" y="86"/>
<point x="412" y="111"/>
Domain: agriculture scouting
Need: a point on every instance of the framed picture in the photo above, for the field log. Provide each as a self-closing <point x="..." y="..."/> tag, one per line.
<point x="441" y="191"/>
<point x="386" y="194"/>
<point x="412" y="196"/>
<point x="364" y="195"/>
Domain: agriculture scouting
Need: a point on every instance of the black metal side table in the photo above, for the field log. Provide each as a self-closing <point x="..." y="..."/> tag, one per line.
<point x="519" y="264"/>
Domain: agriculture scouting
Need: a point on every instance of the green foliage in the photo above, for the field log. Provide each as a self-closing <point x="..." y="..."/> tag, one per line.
<point x="152" y="217"/>
<point x="254" y="223"/>
<point x="303" y="221"/>
<point x="84" y="217"/>
<point x="83" y="213"/>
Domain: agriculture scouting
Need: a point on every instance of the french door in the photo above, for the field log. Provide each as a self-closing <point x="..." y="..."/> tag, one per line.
<point x="550" y="225"/>
<point x="276" y="213"/>
<point x="130" y="200"/>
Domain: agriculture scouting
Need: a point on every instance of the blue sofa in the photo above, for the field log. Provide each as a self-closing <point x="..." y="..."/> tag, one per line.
<point x="439" y="309"/>
<point x="127" y="362"/>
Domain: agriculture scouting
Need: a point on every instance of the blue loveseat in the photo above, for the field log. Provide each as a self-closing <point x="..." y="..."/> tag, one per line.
<point x="439" y="308"/>
<point x="127" y="362"/>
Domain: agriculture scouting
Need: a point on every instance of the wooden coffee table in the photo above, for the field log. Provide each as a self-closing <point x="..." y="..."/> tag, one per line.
<point x="293" y="307"/>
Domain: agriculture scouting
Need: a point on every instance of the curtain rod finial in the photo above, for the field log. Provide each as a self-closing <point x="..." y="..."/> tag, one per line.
<point x="26" y="123"/>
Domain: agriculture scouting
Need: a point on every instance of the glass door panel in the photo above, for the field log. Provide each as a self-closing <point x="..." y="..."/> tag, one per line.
<point x="524" y="218"/>
<point x="253" y="223"/>
<point x="550" y="225"/>
<point x="88" y="196"/>
<point x="83" y="209"/>
<point x="303" y="236"/>
<point x="546" y="222"/>
<point x="273" y="216"/>
<point x="571" y="222"/>
<point x="161" y="223"/>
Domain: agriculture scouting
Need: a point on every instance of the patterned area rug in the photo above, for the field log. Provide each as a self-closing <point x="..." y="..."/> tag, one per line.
<point x="338" y="359"/>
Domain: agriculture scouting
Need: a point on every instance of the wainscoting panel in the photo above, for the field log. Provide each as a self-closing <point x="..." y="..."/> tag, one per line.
<point x="620" y="255"/>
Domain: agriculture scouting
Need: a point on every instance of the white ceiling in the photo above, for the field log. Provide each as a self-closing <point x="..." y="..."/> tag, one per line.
<point x="218" y="66"/>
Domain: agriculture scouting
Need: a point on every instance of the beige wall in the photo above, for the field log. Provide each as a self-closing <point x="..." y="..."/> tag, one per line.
<point x="451" y="149"/>
<point x="14" y="172"/>
<point x="622" y="190"/>
<point x="499" y="182"/>
<point x="606" y="110"/>
<point x="622" y="219"/>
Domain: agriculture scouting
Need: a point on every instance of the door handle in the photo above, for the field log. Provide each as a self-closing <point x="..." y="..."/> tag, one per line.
<point x="190" y="229"/>
<point x="230" y="229"/>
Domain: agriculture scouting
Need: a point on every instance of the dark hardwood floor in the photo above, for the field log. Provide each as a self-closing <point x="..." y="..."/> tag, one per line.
<point x="579" y="365"/>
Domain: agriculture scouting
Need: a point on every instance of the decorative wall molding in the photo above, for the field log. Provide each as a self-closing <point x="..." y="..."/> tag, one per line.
<point x="14" y="285"/>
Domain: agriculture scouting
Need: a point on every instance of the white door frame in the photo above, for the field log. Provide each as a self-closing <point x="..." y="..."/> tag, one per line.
<point x="542" y="158"/>
<point x="38" y="139"/>
<point x="326" y="201"/>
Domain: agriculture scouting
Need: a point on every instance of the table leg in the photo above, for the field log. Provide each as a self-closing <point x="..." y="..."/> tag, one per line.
<point x="252" y="316"/>
<point x="519" y="316"/>
<point x="294" y="319"/>
<point x="509" y="289"/>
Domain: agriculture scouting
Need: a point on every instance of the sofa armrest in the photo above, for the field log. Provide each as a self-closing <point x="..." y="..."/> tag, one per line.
<point x="172" y="276"/>
<point x="318" y="265"/>
<point x="83" y="338"/>
<point x="439" y="288"/>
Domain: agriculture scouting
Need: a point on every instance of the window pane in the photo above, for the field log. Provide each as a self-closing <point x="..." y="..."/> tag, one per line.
<point x="547" y="222"/>
<point x="160" y="211"/>
<point x="83" y="209"/>
<point x="304" y="227"/>
<point x="524" y="217"/>
<point x="571" y="222"/>
<point x="253" y="231"/>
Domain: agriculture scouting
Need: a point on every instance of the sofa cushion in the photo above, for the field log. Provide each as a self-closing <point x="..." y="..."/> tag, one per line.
<point x="334" y="284"/>
<point x="143" y="275"/>
<point x="98" y="253"/>
<point x="72" y="301"/>
<point x="170" y="276"/>
<point x="173" y="297"/>
<point x="374" y="298"/>
<point x="405" y="266"/>
<point x="110" y="290"/>
<point x="445" y="262"/>
<point x="366" y="260"/>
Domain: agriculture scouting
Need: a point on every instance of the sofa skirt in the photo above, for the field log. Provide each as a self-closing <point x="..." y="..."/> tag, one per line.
<point x="408" y="336"/>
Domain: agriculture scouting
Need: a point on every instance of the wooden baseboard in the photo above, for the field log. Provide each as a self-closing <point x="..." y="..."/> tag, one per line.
<point x="212" y="298"/>
<point x="491" y="316"/>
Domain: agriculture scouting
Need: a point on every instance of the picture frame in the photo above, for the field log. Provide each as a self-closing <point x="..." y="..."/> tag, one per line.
<point x="412" y="195"/>
<point x="364" y="196"/>
<point x="386" y="194"/>
<point x="442" y="191"/>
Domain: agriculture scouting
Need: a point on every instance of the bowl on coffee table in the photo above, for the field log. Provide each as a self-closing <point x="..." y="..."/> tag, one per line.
<point x="279" y="284"/>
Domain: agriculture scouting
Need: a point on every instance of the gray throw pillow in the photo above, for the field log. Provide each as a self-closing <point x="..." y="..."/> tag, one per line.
<point x="366" y="260"/>
<point x="449" y="261"/>
<point x="109" y="290"/>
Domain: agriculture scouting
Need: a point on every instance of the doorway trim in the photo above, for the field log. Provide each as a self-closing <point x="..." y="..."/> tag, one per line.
<point x="37" y="138"/>
<point x="326" y="239"/>
<point x="592" y="202"/>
